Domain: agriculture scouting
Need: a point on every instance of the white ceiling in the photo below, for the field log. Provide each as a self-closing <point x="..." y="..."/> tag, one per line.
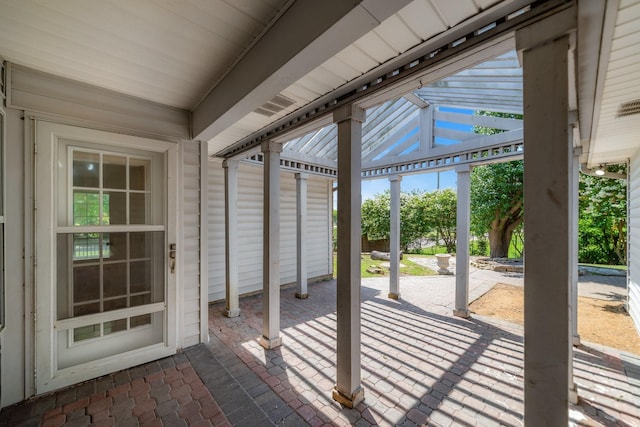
<point x="221" y="59"/>
<point x="420" y="20"/>
<point x="171" y="52"/>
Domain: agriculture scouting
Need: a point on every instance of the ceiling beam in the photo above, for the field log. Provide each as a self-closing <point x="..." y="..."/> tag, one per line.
<point x="307" y="34"/>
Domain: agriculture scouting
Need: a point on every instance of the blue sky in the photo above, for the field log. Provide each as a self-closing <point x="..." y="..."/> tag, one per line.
<point x="422" y="182"/>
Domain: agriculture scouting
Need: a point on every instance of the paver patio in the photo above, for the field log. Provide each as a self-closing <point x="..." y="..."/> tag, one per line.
<point x="420" y="366"/>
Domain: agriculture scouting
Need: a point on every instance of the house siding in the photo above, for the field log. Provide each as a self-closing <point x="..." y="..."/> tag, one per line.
<point x="14" y="337"/>
<point x="250" y="224"/>
<point x="17" y="338"/>
<point x="190" y="195"/>
<point x="633" y="256"/>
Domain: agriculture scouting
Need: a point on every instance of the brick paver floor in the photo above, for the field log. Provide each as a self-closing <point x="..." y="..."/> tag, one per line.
<point x="163" y="393"/>
<point x="420" y="366"/>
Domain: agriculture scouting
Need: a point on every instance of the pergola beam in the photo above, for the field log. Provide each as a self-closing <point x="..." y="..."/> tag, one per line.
<point x="305" y="35"/>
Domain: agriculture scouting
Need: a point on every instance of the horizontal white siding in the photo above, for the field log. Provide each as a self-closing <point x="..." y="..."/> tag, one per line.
<point x="216" y="231"/>
<point x="36" y="91"/>
<point x="634" y="240"/>
<point x="191" y="243"/>
<point x="250" y="224"/>
<point x="14" y="356"/>
<point x="319" y="229"/>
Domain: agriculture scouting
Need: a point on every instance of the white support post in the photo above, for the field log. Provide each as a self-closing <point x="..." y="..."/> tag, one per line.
<point x="271" y="247"/>
<point x="574" y="338"/>
<point x="394" y="238"/>
<point x="232" y="303"/>
<point x="575" y="191"/>
<point x="463" y="224"/>
<point x="301" y="242"/>
<point x="544" y="46"/>
<point x="330" y="248"/>
<point x="348" y="389"/>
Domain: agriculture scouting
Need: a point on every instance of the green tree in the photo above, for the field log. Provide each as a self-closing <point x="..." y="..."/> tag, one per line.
<point x="413" y="225"/>
<point x="439" y="214"/>
<point x="420" y="214"/>
<point x="602" y="227"/>
<point x="375" y="216"/>
<point x="497" y="196"/>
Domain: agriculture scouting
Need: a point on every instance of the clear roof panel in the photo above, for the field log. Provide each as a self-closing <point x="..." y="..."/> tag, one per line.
<point x="393" y="128"/>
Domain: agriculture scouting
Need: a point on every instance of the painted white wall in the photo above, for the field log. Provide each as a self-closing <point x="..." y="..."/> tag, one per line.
<point x="633" y="225"/>
<point x="16" y="340"/>
<point x="250" y="228"/>
<point x="12" y="338"/>
<point x="190" y="207"/>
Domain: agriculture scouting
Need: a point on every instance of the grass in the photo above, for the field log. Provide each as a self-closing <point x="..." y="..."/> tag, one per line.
<point x="409" y="268"/>
<point x="432" y="250"/>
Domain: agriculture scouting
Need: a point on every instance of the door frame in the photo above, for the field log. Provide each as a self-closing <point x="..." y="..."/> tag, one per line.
<point x="46" y="136"/>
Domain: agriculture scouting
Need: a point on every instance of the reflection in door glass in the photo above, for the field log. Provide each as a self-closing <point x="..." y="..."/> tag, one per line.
<point x="130" y="273"/>
<point x="86" y="169"/>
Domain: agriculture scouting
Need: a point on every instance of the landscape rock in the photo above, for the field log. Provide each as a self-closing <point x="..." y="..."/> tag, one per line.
<point x="382" y="256"/>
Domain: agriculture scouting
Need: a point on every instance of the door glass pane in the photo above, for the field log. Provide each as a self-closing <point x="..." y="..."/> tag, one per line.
<point x="86" y="246"/>
<point x="111" y="189"/>
<point x="140" y="276"/>
<point x="86" y="208"/>
<point x="145" y="319"/>
<point x="90" y="344"/>
<point x="115" y="172"/>
<point x="114" y="326"/>
<point x="86" y="169"/>
<point x="114" y="208"/>
<point x="138" y="208"/>
<point x="141" y="299"/>
<point x="109" y="271"/>
<point x="127" y="272"/>
<point x="140" y="247"/>
<point x="115" y="279"/>
<point x="83" y="309"/>
<point x="115" y="246"/>
<point x="86" y="280"/>
<point x="115" y="304"/>
<point x="138" y="174"/>
<point x="86" y="332"/>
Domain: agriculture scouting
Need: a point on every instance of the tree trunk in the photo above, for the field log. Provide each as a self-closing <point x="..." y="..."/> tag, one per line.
<point x="500" y="240"/>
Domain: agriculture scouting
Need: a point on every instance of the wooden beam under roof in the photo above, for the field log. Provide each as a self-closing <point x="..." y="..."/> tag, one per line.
<point x="307" y="34"/>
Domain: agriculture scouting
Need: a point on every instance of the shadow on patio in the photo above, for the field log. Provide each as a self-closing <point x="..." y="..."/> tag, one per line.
<point x="419" y="364"/>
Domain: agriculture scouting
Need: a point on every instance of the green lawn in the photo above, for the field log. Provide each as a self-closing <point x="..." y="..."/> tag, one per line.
<point x="409" y="269"/>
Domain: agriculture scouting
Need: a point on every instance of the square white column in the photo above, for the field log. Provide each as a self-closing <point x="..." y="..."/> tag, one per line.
<point x="348" y="390"/>
<point x="232" y="303"/>
<point x="463" y="224"/>
<point x="575" y="192"/>
<point x="394" y="238"/>
<point x="301" y="240"/>
<point x="574" y="338"/>
<point x="545" y="46"/>
<point x="271" y="246"/>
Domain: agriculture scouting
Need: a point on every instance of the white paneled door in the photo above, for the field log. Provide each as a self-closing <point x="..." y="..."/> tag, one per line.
<point x="105" y="253"/>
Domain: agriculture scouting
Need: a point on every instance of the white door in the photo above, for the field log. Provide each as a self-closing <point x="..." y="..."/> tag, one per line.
<point x="103" y="231"/>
